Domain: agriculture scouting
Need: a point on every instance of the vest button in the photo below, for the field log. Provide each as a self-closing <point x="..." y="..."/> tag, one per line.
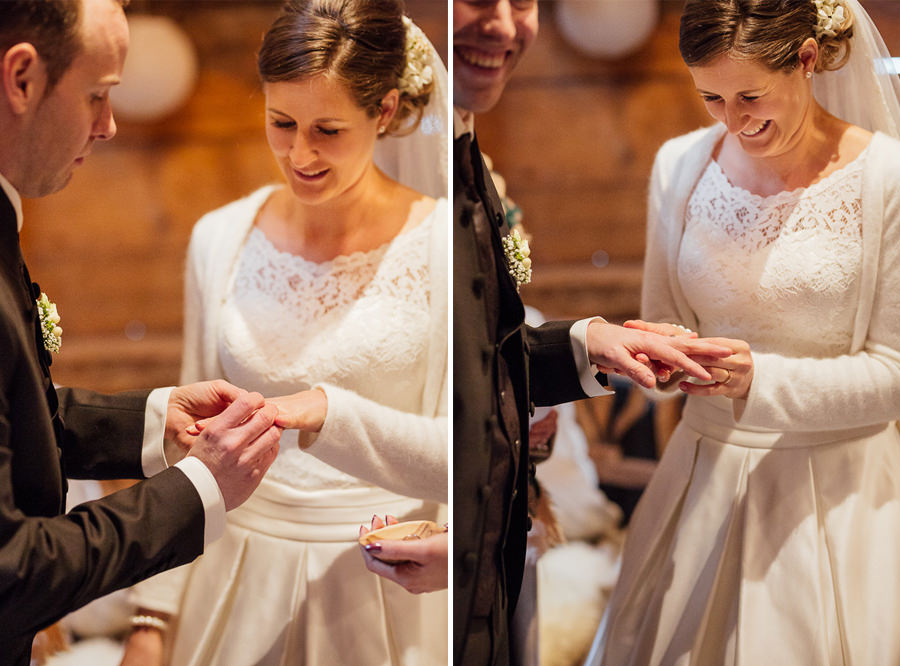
<point x="469" y="562"/>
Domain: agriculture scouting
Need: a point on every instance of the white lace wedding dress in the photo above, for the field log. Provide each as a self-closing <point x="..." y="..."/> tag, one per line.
<point x="753" y="545"/>
<point x="286" y="584"/>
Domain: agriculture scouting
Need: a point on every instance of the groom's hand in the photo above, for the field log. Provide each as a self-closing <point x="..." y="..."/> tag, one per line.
<point x="238" y="446"/>
<point x="635" y="353"/>
<point x="193" y="402"/>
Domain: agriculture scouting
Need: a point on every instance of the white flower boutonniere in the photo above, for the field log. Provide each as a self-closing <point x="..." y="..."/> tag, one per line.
<point x="49" y="323"/>
<point x="518" y="260"/>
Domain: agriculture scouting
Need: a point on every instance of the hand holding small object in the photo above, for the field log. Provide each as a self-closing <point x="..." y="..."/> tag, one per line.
<point x="418" y="564"/>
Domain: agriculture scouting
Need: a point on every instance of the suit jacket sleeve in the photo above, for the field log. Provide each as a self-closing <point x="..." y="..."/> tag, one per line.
<point x="51" y="564"/>
<point x="552" y="373"/>
<point x="103" y="434"/>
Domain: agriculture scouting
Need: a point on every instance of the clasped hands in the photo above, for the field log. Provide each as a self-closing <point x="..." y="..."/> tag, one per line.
<point x="234" y="432"/>
<point x="653" y="354"/>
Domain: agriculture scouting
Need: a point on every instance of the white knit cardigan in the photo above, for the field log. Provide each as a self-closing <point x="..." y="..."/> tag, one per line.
<point x="859" y="388"/>
<point x="402" y="452"/>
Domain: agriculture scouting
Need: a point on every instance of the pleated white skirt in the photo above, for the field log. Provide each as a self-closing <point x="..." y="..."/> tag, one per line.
<point x="761" y="549"/>
<point x="286" y="585"/>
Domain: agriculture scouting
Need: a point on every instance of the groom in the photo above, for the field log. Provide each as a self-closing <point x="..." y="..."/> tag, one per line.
<point x="501" y="367"/>
<point x="58" y="60"/>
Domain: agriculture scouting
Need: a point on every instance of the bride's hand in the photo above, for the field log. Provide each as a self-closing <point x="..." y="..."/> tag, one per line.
<point x="670" y="330"/>
<point x="420" y="565"/>
<point x="664" y="373"/>
<point x="733" y="374"/>
<point x="305" y="410"/>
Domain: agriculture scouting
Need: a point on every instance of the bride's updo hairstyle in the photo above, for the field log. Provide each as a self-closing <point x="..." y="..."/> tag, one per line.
<point x="769" y="32"/>
<point x="360" y="43"/>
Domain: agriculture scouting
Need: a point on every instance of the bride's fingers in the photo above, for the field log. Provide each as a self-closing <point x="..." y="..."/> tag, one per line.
<point x="711" y="361"/>
<point x="722" y="375"/>
<point x="197" y="427"/>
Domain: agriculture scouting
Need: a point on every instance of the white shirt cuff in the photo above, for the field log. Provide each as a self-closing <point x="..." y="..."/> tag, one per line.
<point x="210" y="495"/>
<point x="153" y="455"/>
<point x="586" y="370"/>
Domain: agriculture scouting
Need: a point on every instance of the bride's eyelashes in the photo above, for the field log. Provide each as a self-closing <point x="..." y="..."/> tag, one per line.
<point x="290" y="124"/>
<point x="716" y="98"/>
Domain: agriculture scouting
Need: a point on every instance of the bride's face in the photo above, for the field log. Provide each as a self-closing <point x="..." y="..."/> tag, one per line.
<point x="323" y="141"/>
<point x="767" y="111"/>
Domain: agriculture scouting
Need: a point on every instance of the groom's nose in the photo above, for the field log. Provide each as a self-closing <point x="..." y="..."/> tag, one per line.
<point x="104" y="124"/>
<point x="499" y="21"/>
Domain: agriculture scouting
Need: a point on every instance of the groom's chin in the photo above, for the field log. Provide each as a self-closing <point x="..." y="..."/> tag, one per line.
<point x="476" y="100"/>
<point x="36" y="189"/>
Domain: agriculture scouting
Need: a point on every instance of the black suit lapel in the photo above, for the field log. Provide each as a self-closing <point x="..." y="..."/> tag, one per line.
<point x="26" y="292"/>
<point x="512" y="316"/>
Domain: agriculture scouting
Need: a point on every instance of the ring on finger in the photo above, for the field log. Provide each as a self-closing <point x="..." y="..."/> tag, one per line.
<point x="728" y="378"/>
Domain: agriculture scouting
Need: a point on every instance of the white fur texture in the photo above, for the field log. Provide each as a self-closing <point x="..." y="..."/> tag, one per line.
<point x="91" y="652"/>
<point x="574" y="584"/>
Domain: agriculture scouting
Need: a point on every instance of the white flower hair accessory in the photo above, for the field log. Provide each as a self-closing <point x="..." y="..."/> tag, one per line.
<point x="518" y="261"/>
<point x="831" y="17"/>
<point x="50" y="329"/>
<point x="417" y="74"/>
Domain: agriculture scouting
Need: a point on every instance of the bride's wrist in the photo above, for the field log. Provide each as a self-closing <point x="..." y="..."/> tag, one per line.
<point x="148" y="620"/>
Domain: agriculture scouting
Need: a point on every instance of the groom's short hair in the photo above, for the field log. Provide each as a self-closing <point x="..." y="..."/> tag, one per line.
<point x="51" y="26"/>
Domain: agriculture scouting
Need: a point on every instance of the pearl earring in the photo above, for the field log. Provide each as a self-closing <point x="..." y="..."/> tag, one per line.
<point x="381" y="130"/>
<point x="809" y="75"/>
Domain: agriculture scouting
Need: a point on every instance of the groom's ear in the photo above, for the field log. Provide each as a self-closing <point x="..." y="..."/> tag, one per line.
<point x="24" y="77"/>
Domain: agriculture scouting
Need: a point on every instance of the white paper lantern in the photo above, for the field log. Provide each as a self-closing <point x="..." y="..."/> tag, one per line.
<point x="160" y="70"/>
<point x="606" y="28"/>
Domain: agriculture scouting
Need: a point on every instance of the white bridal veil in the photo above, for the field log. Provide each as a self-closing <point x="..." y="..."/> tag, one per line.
<point x="866" y="90"/>
<point x="419" y="160"/>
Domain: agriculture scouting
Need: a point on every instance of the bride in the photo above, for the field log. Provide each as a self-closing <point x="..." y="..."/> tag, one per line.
<point x="770" y="533"/>
<point x="329" y="289"/>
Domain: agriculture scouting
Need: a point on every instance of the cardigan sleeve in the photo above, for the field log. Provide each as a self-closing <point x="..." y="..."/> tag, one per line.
<point x="663" y="232"/>
<point x="195" y="314"/>
<point x="664" y="228"/>
<point x="402" y="452"/>
<point x="855" y="389"/>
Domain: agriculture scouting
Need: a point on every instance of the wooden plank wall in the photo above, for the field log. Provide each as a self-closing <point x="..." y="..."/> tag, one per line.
<point x="109" y="249"/>
<point x="575" y="137"/>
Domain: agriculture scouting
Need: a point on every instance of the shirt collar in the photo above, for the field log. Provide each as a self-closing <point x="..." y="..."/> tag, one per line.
<point x="14" y="199"/>
<point x="463" y="122"/>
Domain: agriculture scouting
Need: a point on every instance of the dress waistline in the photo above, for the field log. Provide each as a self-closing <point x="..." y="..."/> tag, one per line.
<point x="325" y="515"/>
<point x="714" y="419"/>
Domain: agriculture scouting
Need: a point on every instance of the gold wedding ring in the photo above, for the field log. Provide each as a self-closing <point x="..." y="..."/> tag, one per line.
<point x="729" y="377"/>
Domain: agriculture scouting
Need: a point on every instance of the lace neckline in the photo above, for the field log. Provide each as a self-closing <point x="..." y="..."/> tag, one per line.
<point x="357" y="257"/>
<point x="835" y="176"/>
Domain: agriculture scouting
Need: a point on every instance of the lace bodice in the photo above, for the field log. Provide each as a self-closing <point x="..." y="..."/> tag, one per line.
<point x="765" y="269"/>
<point x="359" y="322"/>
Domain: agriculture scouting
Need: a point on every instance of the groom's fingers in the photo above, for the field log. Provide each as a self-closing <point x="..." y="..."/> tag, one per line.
<point x="676" y="359"/>
<point x="637" y="372"/>
<point x="240" y="411"/>
<point x="225" y="391"/>
<point x="703" y="346"/>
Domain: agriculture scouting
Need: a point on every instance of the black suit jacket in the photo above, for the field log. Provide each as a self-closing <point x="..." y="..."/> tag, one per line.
<point x="52" y="563"/>
<point x="502" y="368"/>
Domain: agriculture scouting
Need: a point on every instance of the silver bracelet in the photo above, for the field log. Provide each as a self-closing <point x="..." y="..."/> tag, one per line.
<point x="149" y="621"/>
